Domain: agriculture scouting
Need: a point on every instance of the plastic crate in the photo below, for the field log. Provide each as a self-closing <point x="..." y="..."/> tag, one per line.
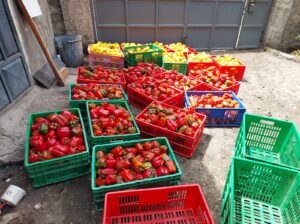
<point x="269" y="140"/>
<point x="164" y="204"/>
<point x="219" y="117"/>
<point x="181" y="144"/>
<point x="96" y="140"/>
<point x="88" y="81"/>
<point x="57" y="169"/>
<point x="106" y="61"/>
<point x="81" y="104"/>
<point x="155" y="56"/>
<point x="237" y="71"/>
<point x="99" y="192"/>
<point x="234" y="88"/>
<point x="258" y="192"/>
<point x="180" y="67"/>
<point x="141" y="101"/>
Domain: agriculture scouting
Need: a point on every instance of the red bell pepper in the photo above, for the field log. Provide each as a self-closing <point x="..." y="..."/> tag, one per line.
<point x="122" y="164"/>
<point x="150" y="156"/>
<point x="147" y="146"/>
<point x="118" y="151"/>
<point x="63" y="132"/>
<point x="127" y="175"/>
<point x="111" y="163"/>
<point x="171" y="125"/>
<point x="161" y="171"/>
<point x="156" y="151"/>
<point x="33" y="157"/>
<point x="100" y="154"/>
<point x="171" y="166"/>
<point x="139" y="147"/>
<point x="110" y="179"/>
<point x="157" y="161"/>
<point x="76" y="141"/>
<point x="151" y="172"/>
<point x="100" y="182"/>
<point x="51" y="142"/>
<point x="65" y="141"/>
<point x="55" y="152"/>
<point x="118" y="112"/>
<point x="77" y="131"/>
<point x="103" y="112"/>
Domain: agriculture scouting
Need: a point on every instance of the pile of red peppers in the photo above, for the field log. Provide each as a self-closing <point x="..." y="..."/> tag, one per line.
<point x="141" y="161"/>
<point x="56" y="135"/>
<point x="110" y="119"/>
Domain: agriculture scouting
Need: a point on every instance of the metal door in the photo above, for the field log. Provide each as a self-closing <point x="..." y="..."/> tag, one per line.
<point x="254" y="23"/>
<point x="202" y="24"/>
<point x="13" y="73"/>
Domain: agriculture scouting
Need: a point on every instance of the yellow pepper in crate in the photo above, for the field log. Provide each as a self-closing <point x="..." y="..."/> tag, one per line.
<point x="178" y="47"/>
<point x="174" y="57"/>
<point x="129" y="44"/>
<point x="227" y="60"/>
<point x="199" y="57"/>
<point x="160" y="45"/>
<point x="141" y="49"/>
<point x="105" y="48"/>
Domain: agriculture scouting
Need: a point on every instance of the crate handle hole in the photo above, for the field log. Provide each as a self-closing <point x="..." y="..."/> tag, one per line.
<point x="267" y="122"/>
<point x="59" y="163"/>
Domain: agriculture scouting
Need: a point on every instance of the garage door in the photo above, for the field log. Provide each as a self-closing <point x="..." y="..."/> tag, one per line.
<point x="202" y="24"/>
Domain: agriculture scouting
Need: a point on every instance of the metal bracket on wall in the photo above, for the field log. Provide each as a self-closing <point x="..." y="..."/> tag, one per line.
<point x="251" y="6"/>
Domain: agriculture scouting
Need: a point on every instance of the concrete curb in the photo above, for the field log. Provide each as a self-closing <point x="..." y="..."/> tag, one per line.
<point x="282" y="54"/>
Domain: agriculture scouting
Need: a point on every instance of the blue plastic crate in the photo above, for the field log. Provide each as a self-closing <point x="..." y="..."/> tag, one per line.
<point x="219" y="117"/>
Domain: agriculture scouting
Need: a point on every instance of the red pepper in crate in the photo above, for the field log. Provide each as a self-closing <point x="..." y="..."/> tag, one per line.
<point x="127" y="175"/>
<point x="110" y="119"/>
<point x="52" y="136"/>
<point x="96" y="92"/>
<point x="184" y="121"/>
<point x="146" y="160"/>
<point x="100" y="74"/>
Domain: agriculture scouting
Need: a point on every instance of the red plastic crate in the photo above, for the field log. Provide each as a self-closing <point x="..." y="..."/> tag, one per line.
<point x="199" y="65"/>
<point x="141" y="100"/>
<point x="106" y="61"/>
<point x="181" y="144"/>
<point x="87" y="81"/>
<point x="237" y="71"/>
<point x="183" y="204"/>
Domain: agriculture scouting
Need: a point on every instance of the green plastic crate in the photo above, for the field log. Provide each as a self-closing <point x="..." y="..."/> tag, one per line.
<point x="57" y="169"/>
<point x="180" y="67"/>
<point x="257" y="192"/>
<point x="269" y="140"/>
<point x="131" y="59"/>
<point x="96" y="140"/>
<point x="81" y="104"/>
<point x="99" y="192"/>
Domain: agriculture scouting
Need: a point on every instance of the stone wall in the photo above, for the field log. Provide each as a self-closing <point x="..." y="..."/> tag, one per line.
<point x="284" y="24"/>
<point x="57" y="17"/>
<point x="33" y="53"/>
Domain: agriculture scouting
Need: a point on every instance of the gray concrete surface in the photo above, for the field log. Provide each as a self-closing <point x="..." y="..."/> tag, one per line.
<point x="271" y="86"/>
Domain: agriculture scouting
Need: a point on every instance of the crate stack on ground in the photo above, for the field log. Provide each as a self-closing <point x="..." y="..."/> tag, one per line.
<point x="41" y="165"/>
<point x="132" y="153"/>
<point x="220" y="111"/>
<point x="263" y="183"/>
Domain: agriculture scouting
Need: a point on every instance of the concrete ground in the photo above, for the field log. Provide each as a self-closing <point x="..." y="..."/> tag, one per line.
<point x="271" y="87"/>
